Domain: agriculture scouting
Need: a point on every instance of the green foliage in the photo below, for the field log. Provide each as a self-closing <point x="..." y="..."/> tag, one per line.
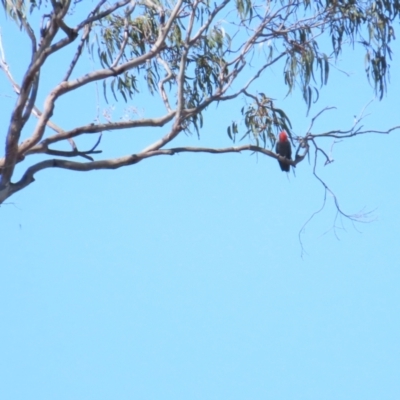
<point x="371" y="24"/>
<point x="262" y="120"/>
<point x="208" y="45"/>
<point x="297" y="30"/>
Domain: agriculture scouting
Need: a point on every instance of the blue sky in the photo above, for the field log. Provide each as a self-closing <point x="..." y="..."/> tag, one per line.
<point x="182" y="277"/>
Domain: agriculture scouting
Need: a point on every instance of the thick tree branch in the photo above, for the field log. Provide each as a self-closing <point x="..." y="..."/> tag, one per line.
<point x="31" y="108"/>
<point x="115" y="163"/>
<point x="111" y="126"/>
<point x="31" y="102"/>
<point x="17" y="120"/>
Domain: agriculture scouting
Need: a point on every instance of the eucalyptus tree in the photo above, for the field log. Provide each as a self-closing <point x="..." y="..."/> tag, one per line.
<point x="188" y="55"/>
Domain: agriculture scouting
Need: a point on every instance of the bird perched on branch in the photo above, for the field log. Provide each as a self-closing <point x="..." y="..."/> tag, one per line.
<point x="284" y="149"/>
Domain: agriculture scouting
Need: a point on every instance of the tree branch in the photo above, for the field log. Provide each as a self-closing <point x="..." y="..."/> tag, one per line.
<point x="115" y="163"/>
<point x="111" y="126"/>
<point x="65" y="87"/>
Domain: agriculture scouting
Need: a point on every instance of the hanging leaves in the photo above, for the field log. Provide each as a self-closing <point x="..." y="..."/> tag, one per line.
<point x="262" y="121"/>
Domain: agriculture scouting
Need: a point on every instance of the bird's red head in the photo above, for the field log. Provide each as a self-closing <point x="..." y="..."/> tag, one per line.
<point x="283" y="137"/>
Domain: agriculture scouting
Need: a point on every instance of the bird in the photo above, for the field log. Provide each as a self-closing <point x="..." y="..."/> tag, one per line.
<point x="284" y="149"/>
<point x="162" y="18"/>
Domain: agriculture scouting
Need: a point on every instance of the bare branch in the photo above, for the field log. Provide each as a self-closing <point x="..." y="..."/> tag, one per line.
<point x="360" y="217"/>
<point x="317" y="115"/>
<point x="17" y="121"/>
<point x="78" y="52"/>
<point x="191" y="41"/>
<point x="111" y="126"/>
<point x="115" y="163"/>
<point x="95" y="15"/>
<point x="338" y="134"/>
<point x="128" y="12"/>
<point x="31" y="108"/>
<point x="75" y="152"/>
<point x="32" y="99"/>
<point x="163" y="81"/>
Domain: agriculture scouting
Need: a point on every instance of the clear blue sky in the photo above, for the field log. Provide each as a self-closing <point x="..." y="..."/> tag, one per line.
<point x="182" y="277"/>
